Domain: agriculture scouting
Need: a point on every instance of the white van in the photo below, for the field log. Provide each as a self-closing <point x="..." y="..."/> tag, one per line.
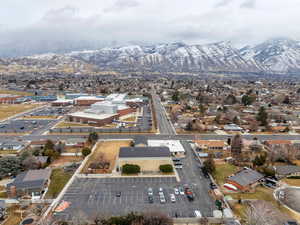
<point x="197" y="213"/>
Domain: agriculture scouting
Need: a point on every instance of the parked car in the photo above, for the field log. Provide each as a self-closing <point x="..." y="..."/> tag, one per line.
<point x="172" y="197"/>
<point x="197" y="213"/>
<point x="181" y="191"/>
<point x="150" y="199"/>
<point x="189" y="194"/>
<point x="162" y="199"/>
<point x="160" y="190"/>
<point x="150" y="191"/>
<point x="176" y="191"/>
<point x="213" y="186"/>
<point x="118" y="194"/>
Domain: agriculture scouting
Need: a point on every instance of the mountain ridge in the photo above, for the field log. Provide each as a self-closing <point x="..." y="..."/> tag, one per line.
<point x="272" y="56"/>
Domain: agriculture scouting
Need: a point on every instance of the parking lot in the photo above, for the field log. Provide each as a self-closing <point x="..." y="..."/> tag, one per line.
<point x="92" y="196"/>
<point x="99" y="195"/>
<point x="23" y="126"/>
<point x="50" y="111"/>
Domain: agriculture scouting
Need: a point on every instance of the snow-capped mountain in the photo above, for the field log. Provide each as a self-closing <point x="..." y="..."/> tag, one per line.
<point x="276" y="55"/>
<point x="272" y="56"/>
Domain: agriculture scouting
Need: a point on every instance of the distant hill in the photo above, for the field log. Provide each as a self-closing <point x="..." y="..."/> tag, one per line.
<point x="273" y="56"/>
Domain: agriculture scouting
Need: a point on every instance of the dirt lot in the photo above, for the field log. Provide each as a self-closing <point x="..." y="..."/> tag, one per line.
<point x="108" y="150"/>
<point x="69" y="124"/>
<point x="65" y="159"/>
<point x="7" y="110"/>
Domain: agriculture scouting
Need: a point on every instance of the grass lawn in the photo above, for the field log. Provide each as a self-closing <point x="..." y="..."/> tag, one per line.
<point x="109" y="150"/>
<point x="40" y="117"/>
<point x="4" y="152"/>
<point x="3" y="194"/>
<point x="7" y="110"/>
<point x="14" y="216"/>
<point x="129" y="119"/>
<point x="292" y="182"/>
<point x="69" y="124"/>
<point x="23" y="93"/>
<point x="261" y="193"/>
<point x="223" y="171"/>
<point x="239" y="210"/>
<point x="58" y="180"/>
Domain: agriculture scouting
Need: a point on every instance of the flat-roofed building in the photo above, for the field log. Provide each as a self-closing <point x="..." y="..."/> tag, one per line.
<point x="174" y="146"/>
<point x="92" y="118"/>
<point x="148" y="158"/>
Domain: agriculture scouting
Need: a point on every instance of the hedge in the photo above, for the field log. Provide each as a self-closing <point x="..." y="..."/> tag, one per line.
<point x="166" y="168"/>
<point x="131" y="169"/>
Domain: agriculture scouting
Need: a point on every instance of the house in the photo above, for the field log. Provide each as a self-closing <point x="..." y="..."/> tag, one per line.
<point x="287" y="171"/>
<point x="274" y="143"/>
<point x="38" y="144"/>
<point x="232" y="127"/>
<point x="2" y="210"/>
<point x="75" y="142"/>
<point x="245" y="180"/>
<point x="211" y="144"/>
<point x="148" y="158"/>
<point x="12" y="145"/>
<point x="42" y="160"/>
<point x="31" y="183"/>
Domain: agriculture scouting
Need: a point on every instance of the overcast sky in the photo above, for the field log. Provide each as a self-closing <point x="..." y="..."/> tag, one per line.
<point x="121" y="21"/>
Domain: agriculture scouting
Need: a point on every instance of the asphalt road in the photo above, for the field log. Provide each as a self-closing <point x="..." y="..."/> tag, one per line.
<point x="164" y="125"/>
<point x="151" y="136"/>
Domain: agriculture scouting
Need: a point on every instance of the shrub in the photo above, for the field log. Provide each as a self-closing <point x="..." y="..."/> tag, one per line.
<point x="85" y="152"/>
<point x="131" y="169"/>
<point x="166" y="168"/>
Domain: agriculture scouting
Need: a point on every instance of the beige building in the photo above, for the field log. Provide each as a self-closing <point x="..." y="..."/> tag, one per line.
<point x="148" y="158"/>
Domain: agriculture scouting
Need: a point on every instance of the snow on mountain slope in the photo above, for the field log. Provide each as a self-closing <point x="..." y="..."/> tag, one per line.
<point x="277" y="55"/>
<point x="273" y="56"/>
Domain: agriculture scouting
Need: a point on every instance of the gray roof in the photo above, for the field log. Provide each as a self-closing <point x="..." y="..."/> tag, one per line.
<point x="137" y="152"/>
<point x="2" y="204"/>
<point x="246" y="177"/>
<point x="287" y="169"/>
<point x="31" y="179"/>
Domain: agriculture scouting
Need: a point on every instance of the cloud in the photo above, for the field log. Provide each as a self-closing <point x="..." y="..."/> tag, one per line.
<point x="248" y="4"/>
<point x="63" y="25"/>
<point x="122" y="5"/>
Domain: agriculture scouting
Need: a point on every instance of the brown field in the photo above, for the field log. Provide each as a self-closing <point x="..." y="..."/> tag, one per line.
<point x="22" y="93"/>
<point x="65" y="159"/>
<point x="7" y="110"/>
<point x="69" y="124"/>
<point x="39" y="117"/>
<point x="109" y="150"/>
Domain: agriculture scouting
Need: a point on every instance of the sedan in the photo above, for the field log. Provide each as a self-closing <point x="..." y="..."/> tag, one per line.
<point x="176" y="191"/>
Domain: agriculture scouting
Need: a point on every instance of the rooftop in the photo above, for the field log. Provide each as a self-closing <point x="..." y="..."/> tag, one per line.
<point x="92" y="115"/>
<point x="141" y="152"/>
<point x="31" y="179"/>
<point x="173" y="145"/>
<point x="246" y="177"/>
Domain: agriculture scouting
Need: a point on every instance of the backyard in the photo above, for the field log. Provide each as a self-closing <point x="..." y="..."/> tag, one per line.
<point x="59" y="178"/>
<point x="223" y="171"/>
<point x="107" y="151"/>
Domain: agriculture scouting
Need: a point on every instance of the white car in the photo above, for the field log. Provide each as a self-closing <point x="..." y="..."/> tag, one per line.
<point x="176" y="191"/>
<point x="172" y="197"/>
<point x="162" y="199"/>
<point x="181" y="191"/>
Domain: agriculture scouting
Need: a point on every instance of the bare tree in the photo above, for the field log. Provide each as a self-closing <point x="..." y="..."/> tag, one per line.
<point x="262" y="213"/>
